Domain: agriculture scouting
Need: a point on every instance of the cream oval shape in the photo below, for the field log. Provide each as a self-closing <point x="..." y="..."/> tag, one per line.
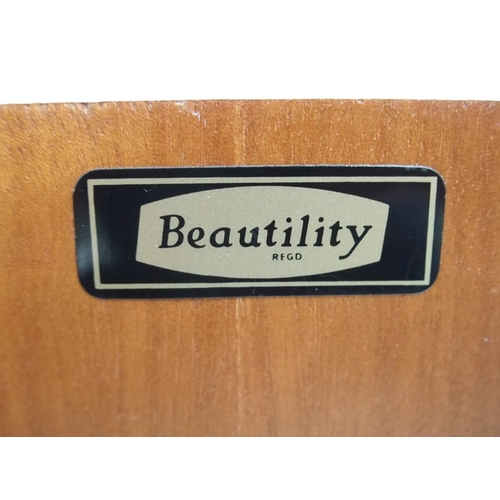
<point x="230" y="233"/>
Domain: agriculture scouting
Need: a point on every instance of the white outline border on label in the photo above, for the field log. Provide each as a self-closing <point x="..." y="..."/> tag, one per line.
<point x="91" y="183"/>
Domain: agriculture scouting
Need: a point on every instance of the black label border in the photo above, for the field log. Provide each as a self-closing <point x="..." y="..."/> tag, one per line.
<point x="87" y="245"/>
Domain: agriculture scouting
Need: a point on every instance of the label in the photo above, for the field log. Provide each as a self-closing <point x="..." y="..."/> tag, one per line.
<point x="270" y="230"/>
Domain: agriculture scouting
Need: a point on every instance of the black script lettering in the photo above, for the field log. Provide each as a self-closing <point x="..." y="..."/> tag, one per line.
<point x="319" y="232"/>
<point x="335" y="232"/>
<point x="288" y="235"/>
<point x="192" y="240"/>
<point x="357" y="239"/>
<point x="225" y="241"/>
<point x="253" y="242"/>
<point x="270" y="228"/>
<point x="167" y="229"/>
<point x="303" y="234"/>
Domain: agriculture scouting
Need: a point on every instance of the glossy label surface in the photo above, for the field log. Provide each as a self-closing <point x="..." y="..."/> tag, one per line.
<point x="237" y="231"/>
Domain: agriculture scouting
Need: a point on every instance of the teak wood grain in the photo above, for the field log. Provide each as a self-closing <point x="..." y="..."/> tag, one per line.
<point x="72" y="364"/>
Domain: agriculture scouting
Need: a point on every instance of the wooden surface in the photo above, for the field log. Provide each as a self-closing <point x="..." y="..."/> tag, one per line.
<point x="71" y="364"/>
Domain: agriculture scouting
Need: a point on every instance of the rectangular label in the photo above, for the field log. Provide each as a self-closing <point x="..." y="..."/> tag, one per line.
<point x="255" y="231"/>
